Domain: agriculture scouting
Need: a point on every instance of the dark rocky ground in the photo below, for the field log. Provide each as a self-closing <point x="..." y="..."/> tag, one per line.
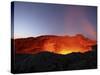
<point x="45" y="61"/>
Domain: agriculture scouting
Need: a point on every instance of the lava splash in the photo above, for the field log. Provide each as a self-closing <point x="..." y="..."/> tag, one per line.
<point x="55" y="44"/>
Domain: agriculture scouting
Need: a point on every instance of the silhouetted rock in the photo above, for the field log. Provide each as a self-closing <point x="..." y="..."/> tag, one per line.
<point x="46" y="61"/>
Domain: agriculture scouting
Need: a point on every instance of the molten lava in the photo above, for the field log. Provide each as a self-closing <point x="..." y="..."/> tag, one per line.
<point x="55" y="44"/>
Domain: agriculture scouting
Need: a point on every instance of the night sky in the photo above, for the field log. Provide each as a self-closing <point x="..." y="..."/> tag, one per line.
<point x="36" y="19"/>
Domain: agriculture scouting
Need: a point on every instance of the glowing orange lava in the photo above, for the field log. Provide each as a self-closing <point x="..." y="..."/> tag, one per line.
<point x="56" y="44"/>
<point x="67" y="44"/>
